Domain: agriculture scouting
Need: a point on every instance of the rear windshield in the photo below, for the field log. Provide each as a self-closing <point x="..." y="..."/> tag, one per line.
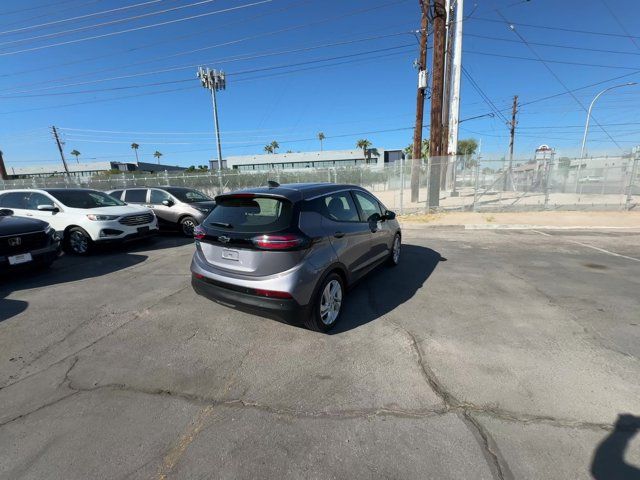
<point x="251" y="215"/>
<point x="85" y="199"/>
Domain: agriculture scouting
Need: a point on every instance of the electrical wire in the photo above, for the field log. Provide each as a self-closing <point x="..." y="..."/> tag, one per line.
<point x="129" y="30"/>
<point x="483" y="95"/>
<point x="79" y="17"/>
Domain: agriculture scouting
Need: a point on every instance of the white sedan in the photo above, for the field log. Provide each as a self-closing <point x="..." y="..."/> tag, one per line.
<point x="82" y="216"/>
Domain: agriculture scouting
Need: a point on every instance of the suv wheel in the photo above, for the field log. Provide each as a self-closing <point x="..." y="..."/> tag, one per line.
<point x="327" y="305"/>
<point x="187" y="224"/>
<point x="78" y="241"/>
<point x="394" y="256"/>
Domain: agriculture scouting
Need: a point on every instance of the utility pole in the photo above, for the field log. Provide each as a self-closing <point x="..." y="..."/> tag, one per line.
<point x="213" y="80"/>
<point x="512" y="135"/>
<point x="447" y="79"/>
<point x="454" y="114"/>
<point x="57" y="138"/>
<point x="422" y="86"/>
<point x="435" y="143"/>
<point x="3" y="170"/>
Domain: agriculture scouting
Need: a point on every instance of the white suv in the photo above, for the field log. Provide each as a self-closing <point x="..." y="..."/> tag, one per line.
<point x="82" y="216"/>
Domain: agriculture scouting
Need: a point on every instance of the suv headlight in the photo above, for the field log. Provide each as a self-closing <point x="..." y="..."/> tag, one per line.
<point x="102" y="218"/>
<point x="203" y="209"/>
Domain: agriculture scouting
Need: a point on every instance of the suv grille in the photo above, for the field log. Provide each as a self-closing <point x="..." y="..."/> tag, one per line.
<point x="23" y="243"/>
<point x="132" y="220"/>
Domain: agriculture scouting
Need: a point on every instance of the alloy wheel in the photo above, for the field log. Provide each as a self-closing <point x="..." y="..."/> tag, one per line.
<point x="79" y="242"/>
<point x="331" y="302"/>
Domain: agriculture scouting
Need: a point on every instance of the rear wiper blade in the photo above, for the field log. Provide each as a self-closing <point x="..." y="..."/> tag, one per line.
<point x="221" y="224"/>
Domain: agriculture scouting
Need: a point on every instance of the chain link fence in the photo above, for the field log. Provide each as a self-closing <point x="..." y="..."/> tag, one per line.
<point x="466" y="183"/>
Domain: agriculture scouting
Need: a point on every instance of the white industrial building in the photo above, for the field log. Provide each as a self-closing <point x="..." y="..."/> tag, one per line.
<point x="85" y="170"/>
<point x="376" y="158"/>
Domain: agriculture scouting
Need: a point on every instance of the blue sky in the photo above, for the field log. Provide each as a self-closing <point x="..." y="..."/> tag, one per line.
<point x="140" y="86"/>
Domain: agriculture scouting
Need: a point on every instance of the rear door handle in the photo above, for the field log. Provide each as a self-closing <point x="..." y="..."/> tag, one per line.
<point x="338" y="234"/>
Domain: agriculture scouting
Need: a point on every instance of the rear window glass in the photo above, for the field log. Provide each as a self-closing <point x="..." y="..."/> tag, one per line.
<point x="251" y="215"/>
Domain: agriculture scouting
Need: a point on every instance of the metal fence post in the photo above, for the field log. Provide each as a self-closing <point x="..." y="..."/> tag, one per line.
<point x="401" y="186"/>
<point x="547" y="176"/>
<point x="476" y="186"/>
<point x="634" y="172"/>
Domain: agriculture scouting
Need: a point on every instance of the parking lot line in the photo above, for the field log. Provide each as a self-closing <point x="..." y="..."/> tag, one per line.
<point x="602" y="250"/>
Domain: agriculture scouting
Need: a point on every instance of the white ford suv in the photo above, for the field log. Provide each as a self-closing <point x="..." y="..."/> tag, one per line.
<point x="82" y="216"/>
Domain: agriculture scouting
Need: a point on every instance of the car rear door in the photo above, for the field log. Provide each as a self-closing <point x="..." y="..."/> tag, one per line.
<point x="167" y="215"/>
<point x="381" y="234"/>
<point x="350" y="237"/>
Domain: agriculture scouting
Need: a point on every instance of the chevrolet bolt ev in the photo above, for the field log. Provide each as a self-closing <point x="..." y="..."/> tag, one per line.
<point x="175" y="207"/>
<point x="291" y="251"/>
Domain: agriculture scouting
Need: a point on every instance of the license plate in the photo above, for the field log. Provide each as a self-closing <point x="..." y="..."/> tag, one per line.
<point x="143" y="229"/>
<point x="17" y="259"/>
<point x="229" y="254"/>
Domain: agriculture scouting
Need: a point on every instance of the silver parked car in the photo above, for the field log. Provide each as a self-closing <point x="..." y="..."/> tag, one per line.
<point x="178" y="208"/>
<point x="291" y="251"/>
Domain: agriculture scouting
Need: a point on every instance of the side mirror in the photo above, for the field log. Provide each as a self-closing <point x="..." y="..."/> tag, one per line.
<point x="5" y="212"/>
<point x="167" y="203"/>
<point x="389" y="215"/>
<point x="48" y="208"/>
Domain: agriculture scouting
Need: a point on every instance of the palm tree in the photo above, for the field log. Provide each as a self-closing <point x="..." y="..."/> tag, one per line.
<point x="76" y="154"/>
<point x="364" y="144"/>
<point x="275" y="146"/>
<point x="321" y="137"/>
<point x="268" y="148"/>
<point x="135" y="147"/>
<point x="157" y="154"/>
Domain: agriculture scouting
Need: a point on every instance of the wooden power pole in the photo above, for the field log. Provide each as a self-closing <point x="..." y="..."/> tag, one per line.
<point x="436" y="151"/>
<point x="422" y="86"/>
<point x="64" y="162"/>
<point x="512" y="137"/>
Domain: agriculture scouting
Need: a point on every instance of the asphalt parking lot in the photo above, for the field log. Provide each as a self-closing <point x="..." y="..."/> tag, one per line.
<point x="484" y="355"/>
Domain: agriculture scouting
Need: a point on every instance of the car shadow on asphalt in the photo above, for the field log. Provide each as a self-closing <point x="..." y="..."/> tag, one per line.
<point x="386" y="288"/>
<point x="608" y="460"/>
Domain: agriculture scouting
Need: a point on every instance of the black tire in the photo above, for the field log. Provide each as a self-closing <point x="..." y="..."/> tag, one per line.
<point x="394" y="259"/>
<point x="187" y="224"/>
<point x="315" y="320"/>
<point x="77" y="241"/>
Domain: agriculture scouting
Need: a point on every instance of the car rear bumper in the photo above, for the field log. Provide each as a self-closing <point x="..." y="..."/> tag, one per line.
<point x="229" y="295"/>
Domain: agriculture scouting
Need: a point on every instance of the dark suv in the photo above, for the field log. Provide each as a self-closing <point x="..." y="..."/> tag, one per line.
<point x="175" y="207"/>
<point x="291" y="251"/>
<point x="26" y="241"/>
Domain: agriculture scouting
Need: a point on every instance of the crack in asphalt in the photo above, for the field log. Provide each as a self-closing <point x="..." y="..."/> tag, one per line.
<point x="136" y="316"/>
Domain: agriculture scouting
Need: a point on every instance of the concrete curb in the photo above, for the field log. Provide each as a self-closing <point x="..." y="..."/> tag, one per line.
<point x="513" y="226"/>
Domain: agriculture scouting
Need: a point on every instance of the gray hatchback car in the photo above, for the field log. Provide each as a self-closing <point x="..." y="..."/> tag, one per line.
<point x="291" y="251"/>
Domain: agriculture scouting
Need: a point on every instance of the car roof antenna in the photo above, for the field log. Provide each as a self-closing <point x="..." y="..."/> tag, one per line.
<point x="273" y="184"/>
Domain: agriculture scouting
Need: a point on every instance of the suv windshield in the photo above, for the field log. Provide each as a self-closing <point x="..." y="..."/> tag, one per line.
<point x="250" y="215"/>
<point x="85" y="199"/>
<point x="188" y="196"/>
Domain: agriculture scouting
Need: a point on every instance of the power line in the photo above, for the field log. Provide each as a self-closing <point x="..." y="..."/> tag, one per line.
<point x="513" y="29"/>
<point x="191" y="66"/>
<point x="554" y="45"/>
<point x="622" y="27"/>
<point x="144" y="27"/>
<point x="560" y="29"/>
<point x="38" y="7"/>
<point x="104" y="24"/>
<point x="79" y="17"/>
<point x="483" y="95"/>
<point x="171" y="39"/>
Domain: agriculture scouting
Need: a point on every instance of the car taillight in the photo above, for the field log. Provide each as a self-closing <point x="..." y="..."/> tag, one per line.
<point x="199" y="232"/>
<point x="272" y="293"/>
<point x="277" y="242"/>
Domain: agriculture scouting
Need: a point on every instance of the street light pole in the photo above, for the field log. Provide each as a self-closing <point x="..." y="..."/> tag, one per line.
<point x="586" y="126"/>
